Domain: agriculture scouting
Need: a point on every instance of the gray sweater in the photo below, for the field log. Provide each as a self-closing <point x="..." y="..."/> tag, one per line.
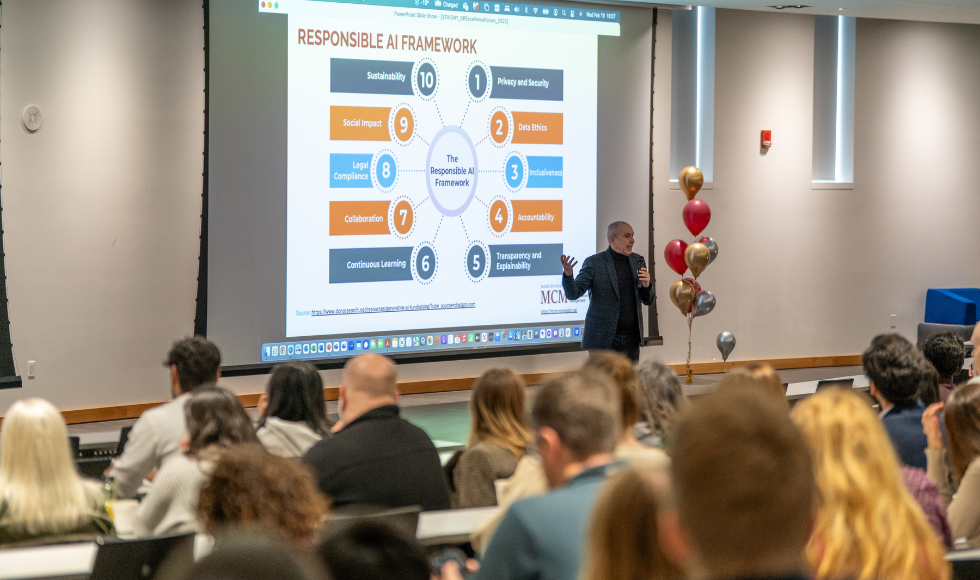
<point x="287" y="438"/>
<point x="171" y="505"/>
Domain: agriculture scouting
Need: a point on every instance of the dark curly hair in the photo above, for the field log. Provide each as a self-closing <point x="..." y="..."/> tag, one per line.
<point x="253" y="488"/>
<point x="897" y="369"/>
<point x="946" y="352"/>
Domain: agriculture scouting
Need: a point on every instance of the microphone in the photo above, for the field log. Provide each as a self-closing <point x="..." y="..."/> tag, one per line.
<point x="643" y="264"/>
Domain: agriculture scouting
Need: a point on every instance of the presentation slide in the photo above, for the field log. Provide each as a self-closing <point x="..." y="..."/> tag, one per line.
<point x="439" y="161"/>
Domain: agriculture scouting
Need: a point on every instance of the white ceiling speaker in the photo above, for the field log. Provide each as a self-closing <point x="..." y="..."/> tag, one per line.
<point x="32" y="118"/>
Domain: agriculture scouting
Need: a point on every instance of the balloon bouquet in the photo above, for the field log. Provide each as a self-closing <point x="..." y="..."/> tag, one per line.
<point x="686" y="293"/>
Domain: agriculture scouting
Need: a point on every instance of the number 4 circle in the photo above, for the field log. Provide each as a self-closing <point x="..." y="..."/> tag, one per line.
<point x="501" y="216"/>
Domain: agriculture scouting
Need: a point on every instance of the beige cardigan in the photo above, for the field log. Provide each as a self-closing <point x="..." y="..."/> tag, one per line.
<point x="962" y="509"/>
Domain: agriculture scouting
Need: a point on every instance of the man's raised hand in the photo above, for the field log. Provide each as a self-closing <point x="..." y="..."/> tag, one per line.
<point x="568" y="262"/>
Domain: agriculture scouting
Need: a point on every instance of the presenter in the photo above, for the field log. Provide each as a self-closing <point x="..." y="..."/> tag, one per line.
<point x="618" y="283"/>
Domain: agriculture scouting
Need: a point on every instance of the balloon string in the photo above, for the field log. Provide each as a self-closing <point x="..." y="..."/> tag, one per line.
<point x="690" y="373"/>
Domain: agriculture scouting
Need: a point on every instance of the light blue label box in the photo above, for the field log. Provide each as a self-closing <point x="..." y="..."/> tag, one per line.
<point x="350" y="170"/>
<point x="544" y="172"/>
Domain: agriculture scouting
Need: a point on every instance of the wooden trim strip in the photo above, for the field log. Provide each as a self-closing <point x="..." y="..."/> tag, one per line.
<point x="464" y="383"/>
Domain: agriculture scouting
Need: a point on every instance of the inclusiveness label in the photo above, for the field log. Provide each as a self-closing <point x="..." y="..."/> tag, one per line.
<point x="370" y="264"/>
<point x="350" y="170"/>
<point x="525" y="260"/>
<point x="370" y="77"/>
<point x="529" y="84"/>
<point x="544" y="172"/>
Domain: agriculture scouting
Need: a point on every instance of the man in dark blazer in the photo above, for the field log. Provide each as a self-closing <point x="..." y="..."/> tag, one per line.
<point x="618" y="284"/>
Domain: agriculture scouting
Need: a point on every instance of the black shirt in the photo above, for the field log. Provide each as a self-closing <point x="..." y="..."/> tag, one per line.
<point x="628" y="323"/>
<point x="380" y="459"/>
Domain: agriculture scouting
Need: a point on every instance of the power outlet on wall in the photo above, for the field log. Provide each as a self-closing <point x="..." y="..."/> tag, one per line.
<point x="30" y="369"/>
<point x="894" y="321"/>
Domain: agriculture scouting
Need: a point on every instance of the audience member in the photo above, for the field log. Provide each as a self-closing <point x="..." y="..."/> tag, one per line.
<point x="975" y="353"/>
<point x="215" y="421"/>
<point x="250" y="555"/>
<point x="867" y="523"/>
<point x="623" y="538"/>
<point x="756" y="376"/>
<point x="293" y="413"/>
<point x="498" y="439"/>
<point x="961" y="416"/>
<point x="157" y="433"/>
<point x="895" y="368"/>
<point x="661" y="400"/>
<point x="377" y="458"/>
<point x="41" y="493"/>
<point x="251" y="488"/>
<point x="744" y="488"/>
<point x="946" y="352"/>
<point x="372" y="550"/>
<point x="577" y="417"/>
<point x="619" y="367"/>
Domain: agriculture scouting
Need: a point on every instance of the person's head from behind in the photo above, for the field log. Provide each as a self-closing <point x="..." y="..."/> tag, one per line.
<point x="372" y="550"/>
<point x="216" y="418"/>
<point x="620" y="369"/>
<point x="193" y="361"/>
<point x="895" y="368"/>
<point x="661" y="398"/>
<point x="369" y="381"/>
<point x="295" y="393"/>
<point x="961" y="415"/>
<point x="946" y="352"/>
<point x="744" y="486"/>
<point x="623" y="541"/>
<point x="756" y="376"/>
<point x="577" y="420"/>
<point x="867" y="523"/>
<point x="620" y="237"/>
<point x="252" y="488"/>
<point x="497" y="411"/>
<point x="38" y="478"/>
<point x="246" y="555"/>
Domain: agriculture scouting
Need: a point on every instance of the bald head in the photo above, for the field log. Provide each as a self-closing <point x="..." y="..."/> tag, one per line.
<point x="371" y="375"/>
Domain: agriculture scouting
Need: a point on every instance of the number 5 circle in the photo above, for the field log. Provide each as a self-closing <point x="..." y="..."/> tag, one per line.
<point x="477" y="261"/>
<point x="501" y="216"/>
<point x="384" y="170"/>
<point x="401" y="217"/>
<point x="424" y="263"/>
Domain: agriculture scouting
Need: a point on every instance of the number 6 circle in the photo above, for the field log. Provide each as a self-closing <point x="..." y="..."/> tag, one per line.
<point x="476" y="261"/>
<point x="425" y="263"/>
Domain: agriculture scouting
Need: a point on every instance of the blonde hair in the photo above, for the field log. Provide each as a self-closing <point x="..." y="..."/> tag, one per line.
<point x="623" y="538"/>
<point x="497" y="411"/>
<point x="38" y="478"/>
<point x="756" y="376"/>
<point x="867" y="525"/>
<point x="620" y="368"/>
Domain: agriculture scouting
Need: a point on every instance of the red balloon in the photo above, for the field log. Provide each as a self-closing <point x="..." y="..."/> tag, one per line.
<point x="697" y="214"/>
<point x="674" y="254"/>
<point x="697" y="287"/>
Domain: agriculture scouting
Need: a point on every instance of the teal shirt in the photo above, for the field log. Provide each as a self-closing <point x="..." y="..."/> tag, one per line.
<point x="543" y="537"/>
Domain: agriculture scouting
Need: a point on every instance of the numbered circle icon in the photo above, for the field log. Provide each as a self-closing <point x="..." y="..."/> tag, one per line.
<point x="477" y="261"/>
<point x="401" y="217"/>
<point x="401" y="124"/>
<point x="385" y="170"/>
<point x="424" y="263"/>
<point x="425" y="79"/>
<point x="501" y="216"/>
<point x="501" y="127"/>
<point x="515" y="171"/>
<point x="478" y="81"/>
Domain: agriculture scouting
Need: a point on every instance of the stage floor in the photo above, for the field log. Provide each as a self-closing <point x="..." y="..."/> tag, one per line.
<point x="445" y="416"/>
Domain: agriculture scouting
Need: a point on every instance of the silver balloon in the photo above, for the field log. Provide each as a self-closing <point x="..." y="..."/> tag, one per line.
<point x="712" y="246"/>
<point x="704" y="303"/>
<point x="725" y="343"/>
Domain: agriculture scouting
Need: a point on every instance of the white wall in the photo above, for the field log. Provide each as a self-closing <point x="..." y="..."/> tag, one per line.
<point x="102" y="205"/>
<point x="806" y="272"/>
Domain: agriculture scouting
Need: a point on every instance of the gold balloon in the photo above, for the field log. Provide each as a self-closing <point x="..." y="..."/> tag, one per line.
<point x="691" y="179"/>
<point x="682" y="295"/>
<point x="697" y="256"/>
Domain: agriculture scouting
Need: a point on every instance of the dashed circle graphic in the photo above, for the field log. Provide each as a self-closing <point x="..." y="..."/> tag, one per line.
<point x="518" y="182"/>
<point x="396" y="222"/>
<point x="497" y="130"/>
<point x="473" y="83"/>
<point x="492" y="217"/>
<point x="375" y="180"/>
<point x="424" y="271"/>
<point x="393" y="125"/>
<point x="476" y="261"/>
<point x="429" y="86"/>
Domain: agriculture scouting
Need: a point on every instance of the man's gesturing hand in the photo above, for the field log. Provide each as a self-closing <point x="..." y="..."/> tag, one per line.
<point x="568" y="262"/>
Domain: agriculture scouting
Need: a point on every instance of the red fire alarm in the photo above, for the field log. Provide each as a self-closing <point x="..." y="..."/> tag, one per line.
<point x="766" y="139"/>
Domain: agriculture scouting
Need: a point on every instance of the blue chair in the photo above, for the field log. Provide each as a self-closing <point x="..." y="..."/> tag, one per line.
<point x="952" y="306"/>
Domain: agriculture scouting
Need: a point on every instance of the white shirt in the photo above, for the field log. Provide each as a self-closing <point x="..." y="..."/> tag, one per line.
<point x="154" y="439"/>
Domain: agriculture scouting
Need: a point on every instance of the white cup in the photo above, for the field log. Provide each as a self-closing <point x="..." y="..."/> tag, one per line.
<point x="123" y="514"/>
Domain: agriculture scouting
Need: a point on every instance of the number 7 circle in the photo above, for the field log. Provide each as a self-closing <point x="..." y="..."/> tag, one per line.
<point x="401" y="217"/>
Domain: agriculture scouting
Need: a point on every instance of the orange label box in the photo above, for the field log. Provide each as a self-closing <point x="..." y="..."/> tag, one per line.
<point x="359" y="124"/>
<point x="359" y="218"/>
<point x="540" y="128"/>
<point x="536" y="216"/>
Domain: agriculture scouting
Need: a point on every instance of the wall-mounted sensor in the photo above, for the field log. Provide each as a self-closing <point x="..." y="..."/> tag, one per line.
<point x="32" y="118"/>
